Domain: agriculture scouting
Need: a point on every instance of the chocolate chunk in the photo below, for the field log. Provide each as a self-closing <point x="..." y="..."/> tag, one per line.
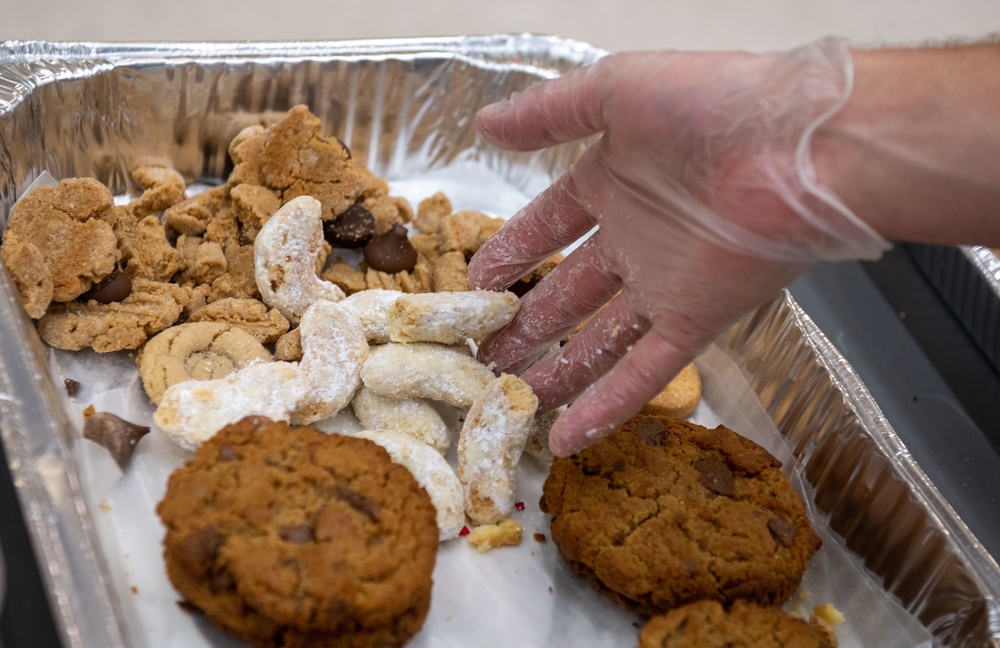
<point x="114" y="434"/>
<point x="359" y="502"/>
<point x="201" y="547"/>
<point x="650" y="430"/>
<point x="782" y="531"/>
<point x="72" y="387"/>
<point x="392" y="251"/>
<point x="715" y="476"/>
<point x="113" y="288"/>
<point x="297" y="534"/>
<point x="353" y="228"/>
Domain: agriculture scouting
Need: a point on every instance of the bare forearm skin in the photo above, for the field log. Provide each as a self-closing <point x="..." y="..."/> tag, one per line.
<point x="915" y="152"/>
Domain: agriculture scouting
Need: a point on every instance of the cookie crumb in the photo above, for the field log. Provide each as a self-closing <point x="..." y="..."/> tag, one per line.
<point x="490" y="536"/>
<point x="72" y="387"/>
<point x="539" y="537"/>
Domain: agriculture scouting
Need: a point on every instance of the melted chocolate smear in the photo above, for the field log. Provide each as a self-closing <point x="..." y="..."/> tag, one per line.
<point x="353" y="228"/>
<point x="391" y="252"/>
<point x="72" y="387"/>
<point x="113" y="288"/>
<point x="116" y="435"/>
<point x="650" y="430"/>
<point x="715" y="476"/>
<point x="782" y="531"/>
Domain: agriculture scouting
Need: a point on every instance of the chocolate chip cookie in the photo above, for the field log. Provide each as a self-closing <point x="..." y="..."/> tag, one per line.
<point x="289" y="537"/>
<point x="706" y="624"/>
<point x="663" y="512"/>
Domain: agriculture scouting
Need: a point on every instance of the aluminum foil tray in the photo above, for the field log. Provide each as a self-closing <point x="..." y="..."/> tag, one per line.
<point x="968" y="280"/>
<point x="897" y="561"/>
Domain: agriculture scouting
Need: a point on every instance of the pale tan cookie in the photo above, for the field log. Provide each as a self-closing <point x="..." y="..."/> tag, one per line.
<point x="432" y="472"/>
<point x="162" y="187"/>
<point x="450" y="272"/>
<point x="196" y="351"/>
<point x="425" y="370"/>
<point x="150" y="308"/>
<point x="289" y="346"/>
<point x="254" y="205"/>
<point x="284" y="259"/>
<point x="31" y="276"/>
<point x="431" y="211"/>
<point x="298" y="160"/>
<point x="348" y="279"/>
<point x="490" y="445"/>
<point x="192" y="216"/>
<point x="679" y="398"/>
<point x="251" y="315"/>
<point x="63" y="224"/>
<point x="466" y="231"/>
<point x="413" y="417"/>
<point x="451" y="317"/>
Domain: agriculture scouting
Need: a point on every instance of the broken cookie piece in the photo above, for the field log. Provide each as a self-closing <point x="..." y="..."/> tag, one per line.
<point x="60" y="232"/>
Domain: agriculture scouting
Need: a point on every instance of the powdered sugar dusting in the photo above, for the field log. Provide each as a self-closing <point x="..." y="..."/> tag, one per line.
<point x="450" y="317"/>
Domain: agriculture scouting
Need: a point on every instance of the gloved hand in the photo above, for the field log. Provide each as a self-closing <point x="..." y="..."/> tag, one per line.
<point x="705" y="200"/>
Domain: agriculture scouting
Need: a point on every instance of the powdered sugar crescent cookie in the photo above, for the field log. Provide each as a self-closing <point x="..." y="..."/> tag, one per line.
<point x="285" y="253"/>
<point x="450" y="317"/>
<point x="196" y="351"/>
<point x="425" y="370"/>
<point x="371" y="307"/>
<point x="333" y="351"/>
<point x="412" y="417"/>
<point x="431" y="471"/>
<point x="490" y="445"/>
<point x="191" y="412"/>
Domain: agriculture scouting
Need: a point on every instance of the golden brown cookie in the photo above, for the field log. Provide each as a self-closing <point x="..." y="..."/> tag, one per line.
<point x="663" y="512"/>
<point x="251" y="315"/>
<point x="61" y="227"/>
<point x="706" y="624"/>
<point x="290" y="537"/>
<point x="196" y="351"/>
<point x="150" y="308"/>
<point x="679" y="398"/>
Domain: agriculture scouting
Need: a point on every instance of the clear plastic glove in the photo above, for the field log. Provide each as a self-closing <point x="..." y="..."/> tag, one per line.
<point x="705" y="202"/>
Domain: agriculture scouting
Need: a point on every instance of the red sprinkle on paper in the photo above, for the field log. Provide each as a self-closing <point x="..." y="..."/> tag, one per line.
<point x="519" y="505"/>
<point x="464" y="532"/>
